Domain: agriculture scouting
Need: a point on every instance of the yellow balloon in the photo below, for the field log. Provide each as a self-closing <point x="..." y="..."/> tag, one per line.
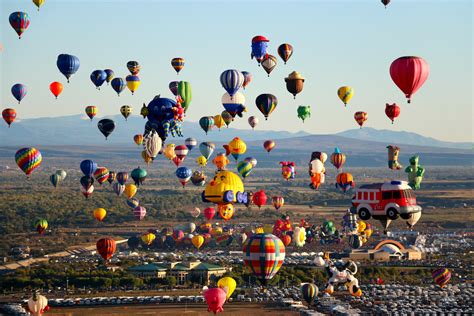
<point x="221" y="161"/>
<point x="148" y="238"/>
<point x="216" y="231"/>
<point x="361" y="226"/>
<point x="267" y="228"/>
<point x="345" y="94"/>
<point x="130" y="190"/>
<point x="197" y="241"/>
<point x="169" y="151"/>
<point x="202" y="161"/>
<point x="99" y="214"/>
<point x="219" y="121"/>
<point x="147" y="159"/>
<point x="133" y="85"/>
<point x="38" y="3"/>
<point x="222" y="182"/>
<point x="259" y="230"/>
<point x="229" y="283"/>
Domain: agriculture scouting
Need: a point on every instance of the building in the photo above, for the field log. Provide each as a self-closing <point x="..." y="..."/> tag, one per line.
<point x="195" y="271"/>
<point x="387" y="250"/>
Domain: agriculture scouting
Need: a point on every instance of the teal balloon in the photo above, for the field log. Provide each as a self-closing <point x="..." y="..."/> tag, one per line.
<point x="206" y="123"/>
<point x="206" y="149"/>
<point x="55" y="179"/>
<point x="244" y="168"/>
<point x="304" y="112"/>
<point x="138" y="175"/>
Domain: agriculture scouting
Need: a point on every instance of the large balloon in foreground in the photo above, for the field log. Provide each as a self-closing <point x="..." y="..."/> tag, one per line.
<point x="28" y="159"/>
<point x="56" y="88"/>
<point x="215" y="299"/>
<point x="106" y="248"/>
<point x="106" y="127"/>
<point x="264" y="255"/>
<point x="266" y="103"/>
<point x="285" y="51"/>
<point x="409" y="73"/>
<point x="37" y="304"/>
<point x="19" y="21"/>
<point x="68" y="65"/>
<point x="441" y="277"/>
<point x="9" y="115"/>
<point x="19" y="91"/>
<point x="229" y="283"/>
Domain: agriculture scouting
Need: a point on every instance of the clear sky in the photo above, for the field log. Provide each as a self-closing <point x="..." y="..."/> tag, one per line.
<point x="335" y="43"/>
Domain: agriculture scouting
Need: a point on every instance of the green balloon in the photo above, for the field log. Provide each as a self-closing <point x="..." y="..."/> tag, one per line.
<point x="304" y="112"/>
<point x="186" y="93"/>
<point x="138" y="175"/>
<point x="55" y="179"/>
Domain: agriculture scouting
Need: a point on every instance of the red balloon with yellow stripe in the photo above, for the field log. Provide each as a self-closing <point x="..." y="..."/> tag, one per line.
<point x="101" y="174"/>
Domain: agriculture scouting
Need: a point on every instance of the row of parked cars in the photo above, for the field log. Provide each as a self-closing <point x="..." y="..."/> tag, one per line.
<point x="121" y="300"/>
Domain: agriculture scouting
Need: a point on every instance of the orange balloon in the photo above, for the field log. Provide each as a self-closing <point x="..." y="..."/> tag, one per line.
<point x="226" y="211"/>
<point x="56" y="88"/>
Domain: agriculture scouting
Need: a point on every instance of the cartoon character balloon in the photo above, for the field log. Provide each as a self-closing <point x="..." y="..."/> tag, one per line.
<point x="259" y="48"/>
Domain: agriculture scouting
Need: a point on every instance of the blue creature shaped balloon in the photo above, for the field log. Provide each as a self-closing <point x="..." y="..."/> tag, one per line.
<point x="68" y="65"/>
<point x="98" y="77"/>
<point x="161" y="118"/>
<point x="259" y="48"/>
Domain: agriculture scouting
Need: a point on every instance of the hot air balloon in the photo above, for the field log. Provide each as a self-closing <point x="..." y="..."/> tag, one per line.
<point x="138" y="139"/>
<point x="253" y="121"/>
<point x="393" y="153"/>
<point x="38" y="304"/>
<point x="227" y="117"/>
<point x="184" y="175"/>
<point x="169" y="151"/>
<point x="38" y="3"/>
<point x="244" y="168"/>
<point x="201" y="161"/>
<point x="87" y="182"/>
<point x="87" y="191"/>
<point x="126" y="110"/>
<point x="68" y="65"/>
<point x="232" y="80"/>
<point x="99" y="214"/>
<point x="219" y="121"/>
<point x="106" y="248"/>
<point x="132" y="203"/>
<point x="112" y="177"/>
<point x="152" y="144"/>
<point x="264" y="255"/>
<point x="101" y="174"/>
<point x="173" y="86"/>
<point x="441" y="277"/>
<point x="186" y="94"/>
<point x="209" y="213"/>
<point x="41" y="225"/>
<point x="148" y="238"/>
<point x="345" y="93"/>
<point x="197" y="241"/>
<point x="247" y="78"/>
<point x="215" y="299"/>
<point x="269" y="63"/>
<point x="181" y="152"/>
<point x="56" y="88"/>
<point x="337" y="158"/>
<point x="61" y="173"/>
<point x="122" y="177"/>
<point x="228" y="284"/>
<point x="195" y="212"/>
<point x="235" y="147"/>
<point x="190" y="143"/>
<point x="133" y="242"/>
<point x="91" y="111"/>
<point x="288" y="170"/>
<point x="259" y="48"/>
<point x="106" y="127"/>
<point x="392" y="111"/>
<point x="130" y="190"/>
<point x="234" y="105"/>
<point x="304" y="112"/>
<point x="133" y="82"/>
<point x="226" y="211"/>
<point x="294" y="83"/>
<point x="285" y="51"/>
<point x="118" y="188"/>
<point x="177" y="64"/>
<point x="118" y="84"/>
<point x="206" y="123"/>
<point x="147" y="159"/>
<point x="409" y="73"/>
<point x="278" y="202"/>
<point x="360" y="118"/>
<point x="221" y="161"/>
<point x="134" y="67"/>
<point x="55" y="179"/>
<point x="9" y="115"/>
<point x="206" y="149"/>
<point x="345" y="181"/>
<point x="252" y="160"/>
<point x="309" y="291"/>
<point x="415" y="173"/>
<point x="385" y="3"/>
<point x="259" y="198"/>
<point x="98" y="77"/>
<point x="139" y="212"/>
<point x="414" y="218"/>
<point x="19" y="91"/>
<point x="269" y="145"/>
<point x="19" y="21"/>
<point x="28" y="159"/>
<point x="109" y="75"/>
<point x="138" y="175"/>
<point x="266" y="103"/>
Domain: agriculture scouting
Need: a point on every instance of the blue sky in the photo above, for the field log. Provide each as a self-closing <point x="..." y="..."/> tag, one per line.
<point x="335" y="43"/>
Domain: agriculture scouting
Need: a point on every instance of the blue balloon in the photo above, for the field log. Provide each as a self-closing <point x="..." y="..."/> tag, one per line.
<point x="183" y="173"/>
<point x="160" y="116"/>
<point x="68" y="65"/>
<point x="98" y="77"/>
<point x="259" y="50"/>
<point x="118" y="84"/>
<point x="19" y="91"/>
<point x="88" y="167"/>
<point x="232" y="80"/>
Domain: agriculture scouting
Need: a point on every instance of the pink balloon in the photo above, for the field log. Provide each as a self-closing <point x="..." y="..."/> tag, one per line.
<point x="215" y="298"/>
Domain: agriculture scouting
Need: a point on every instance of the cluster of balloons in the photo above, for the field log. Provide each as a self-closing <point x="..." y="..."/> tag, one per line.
<point x="57" y="177"/>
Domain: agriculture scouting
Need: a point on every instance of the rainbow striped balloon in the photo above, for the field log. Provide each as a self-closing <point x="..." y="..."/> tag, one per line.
<point x="101" y="174"/>
<point x="264" y="255"/>
<point x="441" y="277"/>
<point x="28" y="159"/>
